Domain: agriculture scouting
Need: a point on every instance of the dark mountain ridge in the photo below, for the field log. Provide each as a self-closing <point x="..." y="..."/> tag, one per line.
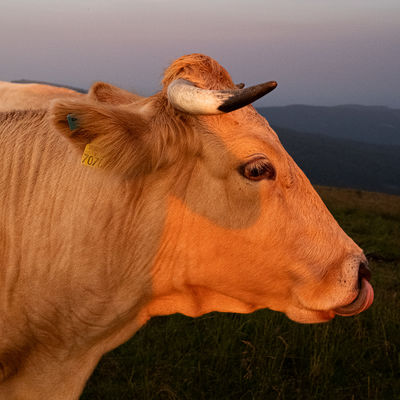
<point x="367" y="124"/>
<point x="344" y="163"/>
<point x="350" y="146"/>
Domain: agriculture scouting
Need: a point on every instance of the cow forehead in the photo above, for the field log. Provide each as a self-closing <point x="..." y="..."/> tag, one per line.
<point x="245" y="132"/>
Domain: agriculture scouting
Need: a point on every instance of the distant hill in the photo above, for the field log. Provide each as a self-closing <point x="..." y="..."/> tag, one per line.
<point x="344" y="163"/>
<point x="347" y="146"/>
<point x="377" y="125"/>
<point x="51" y="84"/>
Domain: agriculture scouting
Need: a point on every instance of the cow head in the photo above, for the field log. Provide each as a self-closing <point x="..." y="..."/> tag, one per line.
<point x="243" y="228"/>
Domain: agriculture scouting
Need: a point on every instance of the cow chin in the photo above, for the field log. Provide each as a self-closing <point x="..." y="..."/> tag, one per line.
<point x="305" y="316"/>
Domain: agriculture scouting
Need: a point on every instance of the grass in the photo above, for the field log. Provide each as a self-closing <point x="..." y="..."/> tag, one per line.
<point x="266" y="356"/>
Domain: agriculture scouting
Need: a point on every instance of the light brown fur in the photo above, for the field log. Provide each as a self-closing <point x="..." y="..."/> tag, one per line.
<point x="203" y="71"/>
<point x="106" y="93"/>
<point x="168" y="225"/>
<point x="31" y="96"/>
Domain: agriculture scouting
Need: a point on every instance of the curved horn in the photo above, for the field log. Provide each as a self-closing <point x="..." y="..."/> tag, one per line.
<point x="186" y="97"/>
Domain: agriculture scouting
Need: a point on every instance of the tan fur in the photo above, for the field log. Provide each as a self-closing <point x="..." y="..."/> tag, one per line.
<point x="203" y="71"/>
<point x="31" y="96"/>
<point x="24" y="96"/>
<point x="168" y="225"/>
<point x="106" y="93"/>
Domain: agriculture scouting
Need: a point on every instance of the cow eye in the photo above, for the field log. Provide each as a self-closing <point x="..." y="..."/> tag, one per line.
<point x="258" y="169"/>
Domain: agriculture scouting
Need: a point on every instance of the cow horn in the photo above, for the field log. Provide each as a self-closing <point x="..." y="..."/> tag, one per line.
<point x="186" y="97"/>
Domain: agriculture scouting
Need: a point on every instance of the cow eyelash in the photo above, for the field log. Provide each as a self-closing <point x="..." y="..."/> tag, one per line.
<point x="258" y="169"/>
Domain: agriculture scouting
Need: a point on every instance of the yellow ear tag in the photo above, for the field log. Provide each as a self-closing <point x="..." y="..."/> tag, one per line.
<point x="91" y="157"/>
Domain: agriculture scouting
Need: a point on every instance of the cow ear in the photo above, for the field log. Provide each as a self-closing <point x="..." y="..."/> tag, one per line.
<point x="117" y="134"/>
<point x="106" y="93"/>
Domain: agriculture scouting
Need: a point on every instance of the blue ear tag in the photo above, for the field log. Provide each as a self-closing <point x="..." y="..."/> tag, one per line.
<point x="72" y="122"/>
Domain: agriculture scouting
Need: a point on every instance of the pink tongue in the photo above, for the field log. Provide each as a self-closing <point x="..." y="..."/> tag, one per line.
<point x="370" y="295"/>
<point x="361" y="303"/>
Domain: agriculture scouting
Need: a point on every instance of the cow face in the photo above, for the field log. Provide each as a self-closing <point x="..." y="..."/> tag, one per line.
<point x="243" y="228"/>
<point x="251" y="232"/>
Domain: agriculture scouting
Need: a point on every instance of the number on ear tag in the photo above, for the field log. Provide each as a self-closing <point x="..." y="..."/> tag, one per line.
<point x="91" y="157"/>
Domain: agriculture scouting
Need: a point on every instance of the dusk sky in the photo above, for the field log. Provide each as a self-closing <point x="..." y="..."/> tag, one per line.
<point x="321" y="52"/>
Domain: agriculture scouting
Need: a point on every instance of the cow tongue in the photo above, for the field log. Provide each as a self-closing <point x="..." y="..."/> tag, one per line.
<point x="361" y="303"/>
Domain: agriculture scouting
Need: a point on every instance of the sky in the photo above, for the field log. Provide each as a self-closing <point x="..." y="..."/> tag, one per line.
<point x="321" y="52"/>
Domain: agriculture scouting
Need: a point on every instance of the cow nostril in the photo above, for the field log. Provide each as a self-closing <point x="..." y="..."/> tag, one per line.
<point x="364" y="271"/>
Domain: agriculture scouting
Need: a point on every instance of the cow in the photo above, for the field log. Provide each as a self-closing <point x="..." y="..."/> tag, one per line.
<point x="31" y="96"/>
<point x="182" y="202"/>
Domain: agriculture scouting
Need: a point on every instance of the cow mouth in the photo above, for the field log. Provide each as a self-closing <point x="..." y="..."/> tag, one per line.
<point x="361" y="303"/>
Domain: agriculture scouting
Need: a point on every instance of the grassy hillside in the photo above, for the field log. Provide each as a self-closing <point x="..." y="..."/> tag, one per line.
<point x="266" y="356"/>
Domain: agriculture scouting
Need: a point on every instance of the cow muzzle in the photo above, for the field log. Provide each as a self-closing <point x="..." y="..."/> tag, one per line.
<point x="365" y="295"/>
